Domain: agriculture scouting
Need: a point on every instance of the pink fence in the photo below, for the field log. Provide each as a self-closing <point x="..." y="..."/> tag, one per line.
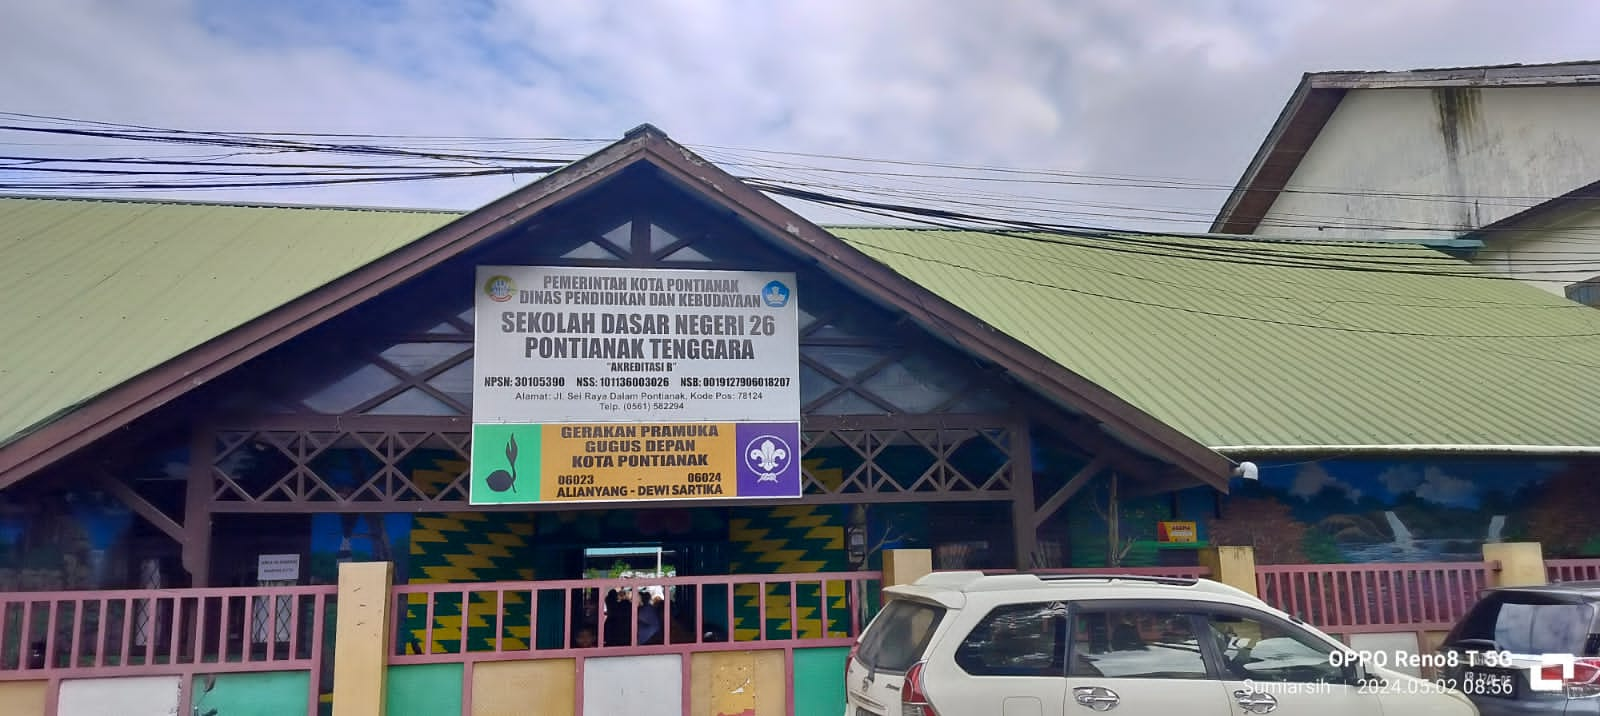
<point x="1355" y="598"/>
<point x="494" y="621"/>
<point x="183" y="632"/>
<point x="1572" y="570"/>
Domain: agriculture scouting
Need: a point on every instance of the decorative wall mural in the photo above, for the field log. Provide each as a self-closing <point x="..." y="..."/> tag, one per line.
<point x="65" y="540"/>
<point x="1350" y="510"/>
<point x="1354" y="511"/>
<point x="351" y="537"/>
<point x="1106" y="529"/>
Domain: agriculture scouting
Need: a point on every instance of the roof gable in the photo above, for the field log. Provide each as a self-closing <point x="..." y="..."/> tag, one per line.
<point x="174" y="364"/>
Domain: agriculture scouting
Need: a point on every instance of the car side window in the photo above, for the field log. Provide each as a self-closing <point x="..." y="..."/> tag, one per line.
<point x="1263" y="650"/>
<point x="1016" y="640"/>
<point x="1136" y="644"/>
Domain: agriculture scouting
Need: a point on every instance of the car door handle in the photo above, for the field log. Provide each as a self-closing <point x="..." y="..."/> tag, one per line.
<point x="1255" y="702"/>
<point x="1098" y="698"/>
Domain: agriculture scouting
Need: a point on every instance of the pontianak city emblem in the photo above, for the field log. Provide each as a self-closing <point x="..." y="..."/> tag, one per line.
<point x="767" y="456"/>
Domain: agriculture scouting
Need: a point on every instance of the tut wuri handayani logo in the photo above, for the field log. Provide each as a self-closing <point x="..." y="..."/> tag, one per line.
<point x="775" y="294"/>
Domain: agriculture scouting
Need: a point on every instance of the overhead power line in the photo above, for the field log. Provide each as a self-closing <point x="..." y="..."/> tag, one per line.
<point x="235" y="160"/>
<point x="406" y="164"/>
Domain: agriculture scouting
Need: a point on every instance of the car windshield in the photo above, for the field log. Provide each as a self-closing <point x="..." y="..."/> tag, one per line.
<point x="899" y="635"/>
<point x="1528" y="624"/>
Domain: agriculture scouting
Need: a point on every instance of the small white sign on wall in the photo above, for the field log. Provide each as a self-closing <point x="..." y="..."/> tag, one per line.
<point x="278" y="568"/>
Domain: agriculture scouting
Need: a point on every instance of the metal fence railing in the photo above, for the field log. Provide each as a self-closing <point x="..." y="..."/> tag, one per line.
<point x="1350" y="598"/>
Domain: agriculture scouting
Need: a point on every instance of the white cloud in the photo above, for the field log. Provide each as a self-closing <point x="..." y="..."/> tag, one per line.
<point x="1446" y="490"/>
<point x="1400" y="479"/>
<point x="1311" y="479"/>
<point x="1177" y="88"/>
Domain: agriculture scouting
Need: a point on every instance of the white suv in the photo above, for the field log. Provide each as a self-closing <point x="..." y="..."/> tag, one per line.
<point x="970" y="644"/>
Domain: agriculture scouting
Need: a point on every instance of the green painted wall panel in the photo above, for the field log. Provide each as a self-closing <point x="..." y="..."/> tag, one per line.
<point x="424" y="690"/>
<point x="819" y="681"/>
<point x="271" y="693"/>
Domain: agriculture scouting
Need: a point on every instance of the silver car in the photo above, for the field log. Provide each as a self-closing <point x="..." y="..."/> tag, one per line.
<point x="969" y="644"/>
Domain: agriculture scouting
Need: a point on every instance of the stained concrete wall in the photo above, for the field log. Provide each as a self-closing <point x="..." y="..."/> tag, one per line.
<point x="1470" y="151"/>
<point x="738" y="683"/>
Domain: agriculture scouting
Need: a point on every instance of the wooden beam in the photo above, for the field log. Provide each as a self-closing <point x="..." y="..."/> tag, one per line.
<point x="137" y="503"/>
<point x="1169" y="482"/>
<point x="1066" y="492"/>
<point x="1090" y="440"/>
<point x="1025" y="527"/>
<point x="197" y="508"/>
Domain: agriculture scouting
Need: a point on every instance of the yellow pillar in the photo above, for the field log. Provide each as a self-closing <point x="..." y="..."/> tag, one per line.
<point x="361" y="650"/>
<point x="1521" y="564"/>
<point x="1233" y="566"/>
<point x="904" y="566"/>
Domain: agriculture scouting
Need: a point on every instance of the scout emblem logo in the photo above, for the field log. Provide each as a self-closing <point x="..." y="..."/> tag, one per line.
<point x="767" y="456"/>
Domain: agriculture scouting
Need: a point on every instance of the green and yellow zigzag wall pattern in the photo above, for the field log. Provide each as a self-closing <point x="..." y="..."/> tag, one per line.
<point x="500" y="546"/>
<point x="467" y="547"/>
<point x="798" y="539"/>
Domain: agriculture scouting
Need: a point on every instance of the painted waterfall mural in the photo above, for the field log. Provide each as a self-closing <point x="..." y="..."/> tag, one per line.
<point x="1355" y="510"/>
<point x="1387" y="511"/>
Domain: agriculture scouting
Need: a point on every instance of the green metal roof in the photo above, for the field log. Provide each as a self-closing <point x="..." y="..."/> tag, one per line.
<point x="1250" y="356"/>
<point x="98" y="291"/>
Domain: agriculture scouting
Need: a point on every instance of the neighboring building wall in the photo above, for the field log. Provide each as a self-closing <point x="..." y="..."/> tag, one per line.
<point x="1544" y="251"/>
<point x="1534" y="143"/>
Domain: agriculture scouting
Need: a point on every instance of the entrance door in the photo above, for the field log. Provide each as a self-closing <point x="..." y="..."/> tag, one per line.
<point x="636" y="612"/>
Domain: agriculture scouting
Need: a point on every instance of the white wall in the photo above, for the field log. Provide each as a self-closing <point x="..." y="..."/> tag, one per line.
<point x="1571" y="237"/>
<point x="1534" y="143"/>
<point x="633" y="685"/>
<point x="125" y="696"/>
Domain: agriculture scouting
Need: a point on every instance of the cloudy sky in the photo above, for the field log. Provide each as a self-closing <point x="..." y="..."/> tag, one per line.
<point x="1140" y="88"/>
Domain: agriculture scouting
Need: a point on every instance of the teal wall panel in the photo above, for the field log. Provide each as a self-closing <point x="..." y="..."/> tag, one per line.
<point x="819" y="681"/>
<point x="424" y="690"/>
<point x="270" y="693"/>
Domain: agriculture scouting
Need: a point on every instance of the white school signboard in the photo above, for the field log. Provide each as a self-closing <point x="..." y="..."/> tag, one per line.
<point x="614" y="384"/>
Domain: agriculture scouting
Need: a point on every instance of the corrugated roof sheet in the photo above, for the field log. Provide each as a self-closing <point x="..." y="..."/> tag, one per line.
<point x="1250" y="355"/>
<point x="98" y="291"/>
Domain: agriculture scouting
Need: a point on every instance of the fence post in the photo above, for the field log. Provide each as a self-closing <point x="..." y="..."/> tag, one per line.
<point x="361" y="639"/>
<point x="1521" y="564"/>
<point x="904" y="566"/>
<point x="1233" y="566"/>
